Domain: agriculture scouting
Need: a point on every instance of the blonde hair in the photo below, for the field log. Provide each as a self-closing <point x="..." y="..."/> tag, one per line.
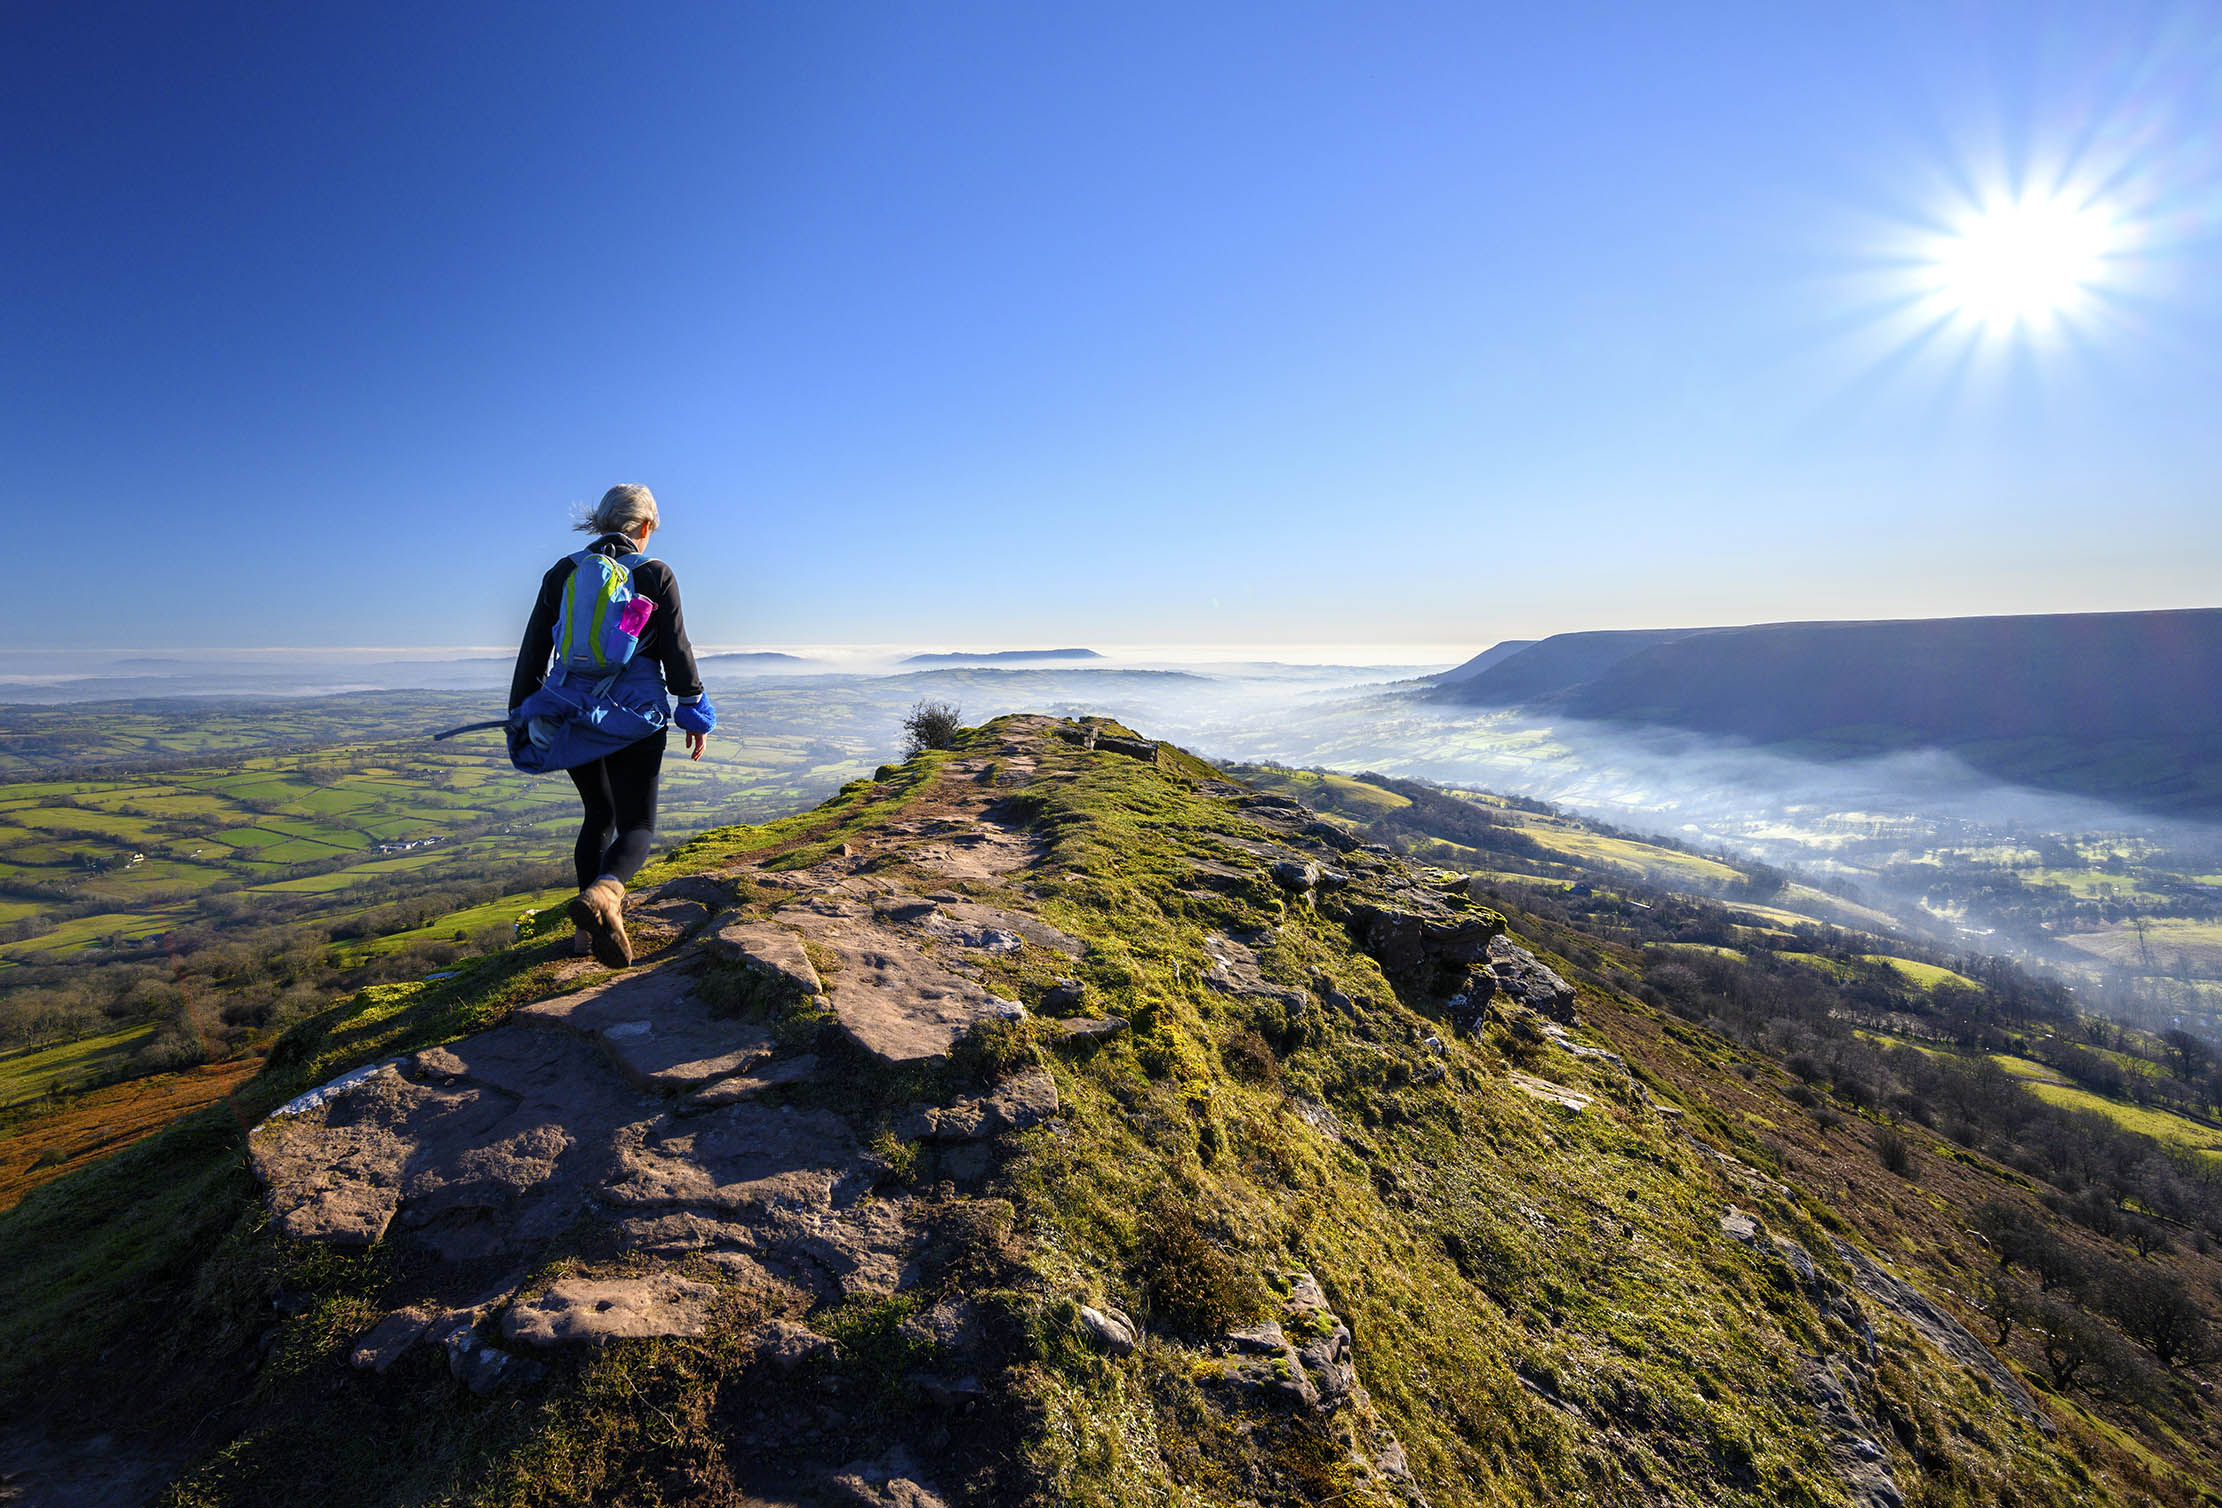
<point x="622" y="510"/>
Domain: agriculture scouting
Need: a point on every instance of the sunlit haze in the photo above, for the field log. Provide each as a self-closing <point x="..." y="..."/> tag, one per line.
<point x="2028" y="262"/>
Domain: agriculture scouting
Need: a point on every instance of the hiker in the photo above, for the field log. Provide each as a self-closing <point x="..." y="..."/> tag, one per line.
<point x="605" y="643"/>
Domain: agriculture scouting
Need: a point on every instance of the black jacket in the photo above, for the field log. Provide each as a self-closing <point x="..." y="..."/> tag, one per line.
<point x="665" y="642"/>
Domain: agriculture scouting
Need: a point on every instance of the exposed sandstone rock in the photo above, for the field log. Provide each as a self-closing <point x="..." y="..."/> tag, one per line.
<point x="764" y="1076"/>
<point x="1302" y="1357"/>
<point x="1425" y="942"/>
<point x="1085" y="1030"/>
<point x="1939" y="1329"/>
<point x="1232" y="968"/>
<point x="477" y="1365"/>
<point x="657" y="1032"/>
<point x="1548" y="1092"/>
<point x="1337" y="838"/>
<point x="1521" y="978"/>
<point x="891" y="1481"/>
<point x="1850" y="1432"/>
<point x="1095" y="736"/>
<point x="788" y="1345"/>
<point x="385" y="1342"/>
<point x="771" y="951"/>
<point x="963" y="923"/>
<point x="532" y="1131"/>
<point x="598" y="1309"/>
<point x="1025" y="1099"/>
<point x="891" y="999"/>
<point x="1111" y="1328"/>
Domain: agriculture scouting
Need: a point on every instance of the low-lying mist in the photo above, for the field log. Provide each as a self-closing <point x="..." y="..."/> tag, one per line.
<point x="1951" y="853"/>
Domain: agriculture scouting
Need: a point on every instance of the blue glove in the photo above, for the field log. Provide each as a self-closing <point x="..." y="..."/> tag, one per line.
<point x="697" y="716"/>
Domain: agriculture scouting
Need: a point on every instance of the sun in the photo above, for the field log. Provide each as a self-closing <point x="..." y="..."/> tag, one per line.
<point x="2022" y="262"/>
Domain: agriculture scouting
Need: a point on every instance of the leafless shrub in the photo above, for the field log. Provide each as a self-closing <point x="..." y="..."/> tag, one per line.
<point x="930" y="725"/>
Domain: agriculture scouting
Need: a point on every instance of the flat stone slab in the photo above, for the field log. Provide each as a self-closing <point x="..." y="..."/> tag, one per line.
<point x="657" y="1033"/>
<point x="770" y="949"/>
<point x="384" y="1343"/>
<point x="741" y="1086"/>
<point x="972" y="925"/>
<point x="506" y="1138"/>
<point x="599" y="1309"/>
<point x="497" y="1151"/>
<point x="744" y="1160"/>
<point x="891" y="999"/>
<point x="1023" y="1100"/>
<point x="1550" y="1093"/>
<point x="983" y="852"/>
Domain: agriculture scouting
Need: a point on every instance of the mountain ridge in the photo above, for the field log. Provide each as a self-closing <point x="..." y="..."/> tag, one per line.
<point x="2116" y="705"/>
<point x="998" y="656"/>
<point x="1297" y="1172"/>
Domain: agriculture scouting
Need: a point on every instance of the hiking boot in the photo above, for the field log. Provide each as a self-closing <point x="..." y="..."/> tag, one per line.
<point x="595" y="911"/>
<point x="582" y="943"/>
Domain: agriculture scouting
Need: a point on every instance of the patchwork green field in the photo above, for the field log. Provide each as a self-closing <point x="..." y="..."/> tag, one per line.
<point x="29" y="1074"/>
<point x="2158" y="945"/>
<point x="1927" y="975"/>
<point x="208" y="872"/>
<point x="96" y="864"/>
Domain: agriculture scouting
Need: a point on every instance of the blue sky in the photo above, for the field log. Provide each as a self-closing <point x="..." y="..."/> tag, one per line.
<point x="968" y="324"/>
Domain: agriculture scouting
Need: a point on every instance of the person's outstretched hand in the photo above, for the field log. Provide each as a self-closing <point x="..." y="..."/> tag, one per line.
<point x="696" y="743"/>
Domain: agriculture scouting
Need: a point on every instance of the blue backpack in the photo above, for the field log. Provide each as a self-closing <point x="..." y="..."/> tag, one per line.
<point x="598" y="697"/>
<point x="602" y="617"/>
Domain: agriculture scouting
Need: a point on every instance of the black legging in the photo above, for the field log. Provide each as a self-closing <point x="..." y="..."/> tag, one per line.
<point x="619" y="791"/>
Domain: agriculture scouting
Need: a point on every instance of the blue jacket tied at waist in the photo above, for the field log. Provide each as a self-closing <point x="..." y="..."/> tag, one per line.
<point x="572" y="720"/>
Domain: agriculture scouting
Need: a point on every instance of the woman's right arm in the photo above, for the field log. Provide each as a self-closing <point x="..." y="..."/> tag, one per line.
<point x="539" y="641"/>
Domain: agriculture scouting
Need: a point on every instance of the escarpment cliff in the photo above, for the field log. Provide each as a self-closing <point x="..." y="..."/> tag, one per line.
<point x="1051" y="1119"/>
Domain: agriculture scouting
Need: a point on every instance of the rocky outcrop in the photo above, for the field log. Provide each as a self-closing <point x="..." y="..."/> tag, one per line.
<point x="773" y="955"/>
<point x="1092" y="734"/>
<point x="1514" y="977"/>
<point x="1839" y="1383"/>
<point x="1302" y="1356"/>
<point x="1024" y="1100"/>
<point x="598" y="1309"/>
<point x="1939" y="1329"/>
<point x="1111" y="1328"/>
<point x="1414" y="945"/>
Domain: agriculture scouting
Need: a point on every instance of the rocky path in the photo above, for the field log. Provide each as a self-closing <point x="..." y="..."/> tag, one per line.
<point x="671" y="1122"/>
<point x="612" y="1160"/>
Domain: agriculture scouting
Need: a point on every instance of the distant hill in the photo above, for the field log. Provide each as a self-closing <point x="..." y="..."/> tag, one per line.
<point x="1001" y="656"/>
<point x="2117" y="705"/>
<point x="1550" y="666"/>
<point x="1494" y="655"/>
<point x="755" y="660"/>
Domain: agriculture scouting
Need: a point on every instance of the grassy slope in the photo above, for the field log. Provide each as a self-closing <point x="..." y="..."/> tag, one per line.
<point x="36" y="1071"/>
<point x="1927" y="975"/>
<point x="1544" y="1306"/>
<point x="1488" y="1248"/>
